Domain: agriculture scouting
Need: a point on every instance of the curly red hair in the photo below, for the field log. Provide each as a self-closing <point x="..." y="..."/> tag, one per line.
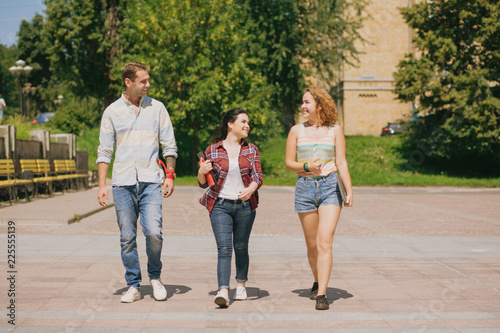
<point x="324" y="104"/>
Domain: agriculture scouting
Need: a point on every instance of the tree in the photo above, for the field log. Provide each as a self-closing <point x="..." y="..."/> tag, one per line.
<point x="298" y="39"/>
<point x="83" y="41"/>
<point x="200" y="67"/>
<point x="8" y="83"/>
<point x="455" y="82"/>
<point x="33" y="49"/>
<point x="76" y="115"/>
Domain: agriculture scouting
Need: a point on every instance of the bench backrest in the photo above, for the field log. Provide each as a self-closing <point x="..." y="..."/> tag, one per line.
<point x="43" y="166"/>
<point x="28" y="165"/>
<point x="7" y="167"/>
<point x="60" y="166"/>
<point x="70" y="165"/>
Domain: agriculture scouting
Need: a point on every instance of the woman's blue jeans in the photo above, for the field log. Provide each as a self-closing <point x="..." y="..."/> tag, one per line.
<point x="142" y="200"/>
<point x="232" y="223"/>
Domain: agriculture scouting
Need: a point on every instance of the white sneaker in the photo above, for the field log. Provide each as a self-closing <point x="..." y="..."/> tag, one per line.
<point x="159" y="291"/>
<point x="222" y="298"/>
<point x="240" y="294"/>
<point x="131" y="295"/>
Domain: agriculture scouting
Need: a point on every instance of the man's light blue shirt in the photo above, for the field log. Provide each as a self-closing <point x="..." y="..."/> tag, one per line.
<point x="136" y="139"/>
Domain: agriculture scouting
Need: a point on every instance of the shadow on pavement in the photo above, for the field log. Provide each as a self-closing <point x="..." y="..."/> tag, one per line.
<point x="252" y="293"/>
<point x="148" y="290"/>
<point x="332" y="294"/>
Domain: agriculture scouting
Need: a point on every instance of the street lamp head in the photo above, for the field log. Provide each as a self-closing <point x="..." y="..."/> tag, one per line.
<point x="20" y="70"/>
<point x="16" y="70"/>
<point x="27" y="70"/>
<point x="20" y="63"/>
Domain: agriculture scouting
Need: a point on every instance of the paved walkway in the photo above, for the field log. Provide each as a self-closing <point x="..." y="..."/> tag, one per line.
<point x="405" y="260"/>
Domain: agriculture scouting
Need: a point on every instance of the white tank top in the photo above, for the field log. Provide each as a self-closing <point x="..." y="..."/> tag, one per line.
<point x="233" y="183"/>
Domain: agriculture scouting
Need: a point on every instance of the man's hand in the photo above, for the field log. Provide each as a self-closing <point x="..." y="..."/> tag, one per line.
<point x="168" y="187"/>
<point x="102" y="171"/>
<point x="102" y="196"/>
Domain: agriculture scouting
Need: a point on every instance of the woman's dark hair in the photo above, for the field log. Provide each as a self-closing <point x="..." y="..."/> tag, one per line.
<point x="229" y="117"/>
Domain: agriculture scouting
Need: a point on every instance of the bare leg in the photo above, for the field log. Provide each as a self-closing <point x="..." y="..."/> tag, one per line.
<point x="328" y="218"/>
<point x="310" y="222"/>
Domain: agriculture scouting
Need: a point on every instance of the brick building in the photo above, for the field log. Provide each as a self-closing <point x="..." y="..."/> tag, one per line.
<point x="369" y="102"/>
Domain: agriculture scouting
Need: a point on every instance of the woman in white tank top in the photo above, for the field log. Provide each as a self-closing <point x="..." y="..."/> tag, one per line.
<point x="316" y="151"/>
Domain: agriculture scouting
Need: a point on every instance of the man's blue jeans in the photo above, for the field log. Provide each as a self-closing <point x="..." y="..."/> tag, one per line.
<point x="144" y="200"/>
<point x="232" y="223"/>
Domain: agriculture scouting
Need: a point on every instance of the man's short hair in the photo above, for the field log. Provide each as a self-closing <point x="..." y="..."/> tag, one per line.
<point x="129" y="71"/>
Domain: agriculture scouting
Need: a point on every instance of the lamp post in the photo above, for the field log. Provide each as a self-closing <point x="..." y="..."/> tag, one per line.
<point x="29" y="91"/>
<point x="58" y="101"/>
<point x="20" y="70"/>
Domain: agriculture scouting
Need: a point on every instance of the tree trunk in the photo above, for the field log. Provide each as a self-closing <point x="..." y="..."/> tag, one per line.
<point x="111" y="35"/>
<point x="110" y="98"/>
<point x="194" y="158"/>
<point x="289" y="114"/>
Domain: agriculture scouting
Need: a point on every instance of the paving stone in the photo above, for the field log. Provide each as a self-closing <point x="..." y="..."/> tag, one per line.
<point x="404" y="259"/>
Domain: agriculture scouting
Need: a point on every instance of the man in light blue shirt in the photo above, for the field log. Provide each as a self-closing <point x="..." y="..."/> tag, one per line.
<point x="134" y="127"/>
<point x="2" y="105"/>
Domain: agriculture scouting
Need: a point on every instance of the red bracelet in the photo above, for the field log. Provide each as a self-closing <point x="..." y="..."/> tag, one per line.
<point x="170" y="174"/>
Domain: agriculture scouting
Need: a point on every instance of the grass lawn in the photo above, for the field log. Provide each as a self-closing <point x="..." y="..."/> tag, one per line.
<point x="373" y="161"/>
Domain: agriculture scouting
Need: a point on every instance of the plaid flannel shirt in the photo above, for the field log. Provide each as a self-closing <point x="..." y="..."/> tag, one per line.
<point x="249" y="161"/>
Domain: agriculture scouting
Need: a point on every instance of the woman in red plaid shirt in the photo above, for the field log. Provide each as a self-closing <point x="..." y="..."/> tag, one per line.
<point x="233" y="199"/>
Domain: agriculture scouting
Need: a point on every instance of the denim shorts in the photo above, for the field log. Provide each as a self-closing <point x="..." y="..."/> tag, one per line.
<point x="311" y="193"/>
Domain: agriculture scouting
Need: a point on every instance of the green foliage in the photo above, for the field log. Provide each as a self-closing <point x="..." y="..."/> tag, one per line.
<point x="300" y="39"/>
<point x="199" y="66"/>
<point x="333" y="31"/>
<point x="373" y="161"/>
<point x="89" y="141"/>
<point x="205" y="58"/>
<point x="22" y="127"/>
<point x="76" y="115"/>
<point x="8" y="84"/>
<point x="82" y="41"/>
<point x="272" y="156"/>
<point x="32" y="46"/>
<point x="455" y="82"/>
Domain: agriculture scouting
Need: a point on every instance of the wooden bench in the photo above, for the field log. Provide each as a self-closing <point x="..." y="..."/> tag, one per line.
<point x="44" y="174"/>
<point x="12" y="181"/>
<point x="41" y="173"/>
<point x="62" y="174"/>
<point x="8" y="172"/>
<point x="66" y="170"/>
<point x="71" y="167"/>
